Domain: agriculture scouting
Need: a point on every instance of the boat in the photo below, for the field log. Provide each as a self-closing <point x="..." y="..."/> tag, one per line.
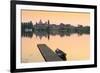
<point x="61" y="54"/>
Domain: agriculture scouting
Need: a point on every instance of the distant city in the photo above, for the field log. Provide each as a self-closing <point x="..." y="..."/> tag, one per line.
<point x="46" y="29"/>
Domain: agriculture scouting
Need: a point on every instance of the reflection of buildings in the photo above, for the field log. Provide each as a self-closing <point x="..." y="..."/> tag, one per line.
<point x="46" y="28"/>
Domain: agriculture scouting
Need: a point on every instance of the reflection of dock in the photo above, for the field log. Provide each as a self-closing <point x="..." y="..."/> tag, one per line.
<point x="48" y="54"/>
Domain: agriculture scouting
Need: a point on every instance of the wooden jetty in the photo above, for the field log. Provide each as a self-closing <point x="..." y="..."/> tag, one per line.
<point x="48" y="54"/>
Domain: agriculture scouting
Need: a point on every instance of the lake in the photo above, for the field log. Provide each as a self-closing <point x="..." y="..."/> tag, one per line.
<point x="77" y="47"/>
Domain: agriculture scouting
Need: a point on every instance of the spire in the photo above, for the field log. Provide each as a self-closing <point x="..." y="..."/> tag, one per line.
<point x="36" y="23"/>
<point x="40" y="22"/>
<point x="48" y="22"/>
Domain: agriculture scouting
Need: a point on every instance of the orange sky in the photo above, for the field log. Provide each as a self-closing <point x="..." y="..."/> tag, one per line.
<point x="73" y="18"/>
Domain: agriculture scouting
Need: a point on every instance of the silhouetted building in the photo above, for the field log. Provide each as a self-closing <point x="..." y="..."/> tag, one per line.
<point x="42" y="25"/>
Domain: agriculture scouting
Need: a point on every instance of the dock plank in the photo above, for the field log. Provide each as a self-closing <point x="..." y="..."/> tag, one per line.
<point x="47" y="53"/>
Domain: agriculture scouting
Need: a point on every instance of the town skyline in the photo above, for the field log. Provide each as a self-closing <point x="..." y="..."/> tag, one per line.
<point x="45" y="29"/>
<point x="40" y="22"/>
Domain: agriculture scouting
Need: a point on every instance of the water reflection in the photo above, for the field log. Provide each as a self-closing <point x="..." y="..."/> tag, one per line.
<point x="47" y="34"/>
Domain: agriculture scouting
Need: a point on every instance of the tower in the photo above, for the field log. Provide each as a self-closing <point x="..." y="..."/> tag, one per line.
<point x="40" y="22"/>
<point x="48" y="22"/>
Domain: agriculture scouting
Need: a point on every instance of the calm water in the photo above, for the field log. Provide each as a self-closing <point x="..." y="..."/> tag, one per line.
<point x="77" y="47"/>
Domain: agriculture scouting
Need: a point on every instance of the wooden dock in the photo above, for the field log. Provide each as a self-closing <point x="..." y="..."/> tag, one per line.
<point x="48" y="54"/>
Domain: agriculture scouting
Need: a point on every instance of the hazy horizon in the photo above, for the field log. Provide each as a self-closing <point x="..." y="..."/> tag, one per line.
<point x="73" y="18"/>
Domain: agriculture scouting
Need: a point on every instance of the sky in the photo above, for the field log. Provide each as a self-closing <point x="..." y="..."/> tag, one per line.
<point x="73" y="18"/>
